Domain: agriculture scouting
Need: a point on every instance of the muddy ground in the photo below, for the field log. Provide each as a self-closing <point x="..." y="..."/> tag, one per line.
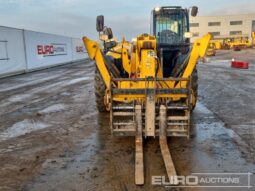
<point x="53" y="138"/>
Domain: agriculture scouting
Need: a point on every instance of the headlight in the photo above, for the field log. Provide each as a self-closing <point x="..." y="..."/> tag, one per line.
<point x="157" y="9"/>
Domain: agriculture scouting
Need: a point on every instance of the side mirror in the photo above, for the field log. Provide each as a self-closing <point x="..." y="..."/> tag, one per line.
<point x="194" y="11"/>
<point x="188" y="35"/>
<point x="108" y="32"/>
<point x="100" y="23"/>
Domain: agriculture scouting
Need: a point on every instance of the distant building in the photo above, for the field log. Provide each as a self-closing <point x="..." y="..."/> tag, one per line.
<point x="225" y="26"/>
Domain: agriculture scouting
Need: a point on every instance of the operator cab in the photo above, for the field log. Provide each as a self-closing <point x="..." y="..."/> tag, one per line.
<point x="170" y="25"/>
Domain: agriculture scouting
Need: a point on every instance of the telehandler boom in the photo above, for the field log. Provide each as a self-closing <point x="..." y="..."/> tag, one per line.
<point x="149" y="85"/>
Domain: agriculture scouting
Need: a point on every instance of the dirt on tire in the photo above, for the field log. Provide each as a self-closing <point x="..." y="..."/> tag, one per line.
<point x="99" y="91"/>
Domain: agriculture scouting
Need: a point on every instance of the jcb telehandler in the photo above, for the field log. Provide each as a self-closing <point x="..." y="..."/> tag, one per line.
<point x="149" y="85"/>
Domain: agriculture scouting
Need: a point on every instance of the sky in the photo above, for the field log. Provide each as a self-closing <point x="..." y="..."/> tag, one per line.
<point x="76" y="18"/>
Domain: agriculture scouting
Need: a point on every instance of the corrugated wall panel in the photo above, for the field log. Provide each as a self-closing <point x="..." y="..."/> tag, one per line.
<point x="22" y="51"/>
<point x="43" y="50"/>
<point x="12" y="53"/>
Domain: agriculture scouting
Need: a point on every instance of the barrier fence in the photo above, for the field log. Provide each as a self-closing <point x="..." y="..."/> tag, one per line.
<point x="23" y="50"/>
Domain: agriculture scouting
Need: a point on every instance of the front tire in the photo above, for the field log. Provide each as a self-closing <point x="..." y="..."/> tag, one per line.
<point x="100" y="88"/>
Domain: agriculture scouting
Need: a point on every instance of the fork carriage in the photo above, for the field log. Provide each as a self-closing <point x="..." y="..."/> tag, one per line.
<point x="150" y="111"/>
<point x="123" y="115"/>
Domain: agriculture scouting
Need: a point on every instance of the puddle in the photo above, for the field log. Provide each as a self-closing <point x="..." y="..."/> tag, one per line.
<point x="74" y="81"/>
<point x="31" y="82"/>
<point x="89" y="115"/>
<point x="53" y="108"/>
<point x="213" y="128"/>
<point x="22" y="128"/>
<point x="200" y="108"/>
<point x="19" y="98"/>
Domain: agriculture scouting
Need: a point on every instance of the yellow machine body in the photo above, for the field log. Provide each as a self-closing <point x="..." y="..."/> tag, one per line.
<point x="144" y="94"/>
<point x="211" y="49"/>
<point x="240" y="42"/>
<point x="217" y="44"/>
<point x="144" y="60"/>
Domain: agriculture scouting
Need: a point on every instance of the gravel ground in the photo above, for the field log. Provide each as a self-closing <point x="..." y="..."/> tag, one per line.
<point x="230" y="93"/>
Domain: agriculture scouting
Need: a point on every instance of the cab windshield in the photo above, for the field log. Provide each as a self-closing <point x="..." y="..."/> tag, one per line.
<point x="170" y="27"/>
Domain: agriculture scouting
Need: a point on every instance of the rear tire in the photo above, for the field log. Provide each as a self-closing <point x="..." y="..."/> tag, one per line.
<point x="100" y="88"/>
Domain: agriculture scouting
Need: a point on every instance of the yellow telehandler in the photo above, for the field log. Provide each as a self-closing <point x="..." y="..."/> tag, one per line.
<point x="211" y="49"/>
<point x="149" y="85"/>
